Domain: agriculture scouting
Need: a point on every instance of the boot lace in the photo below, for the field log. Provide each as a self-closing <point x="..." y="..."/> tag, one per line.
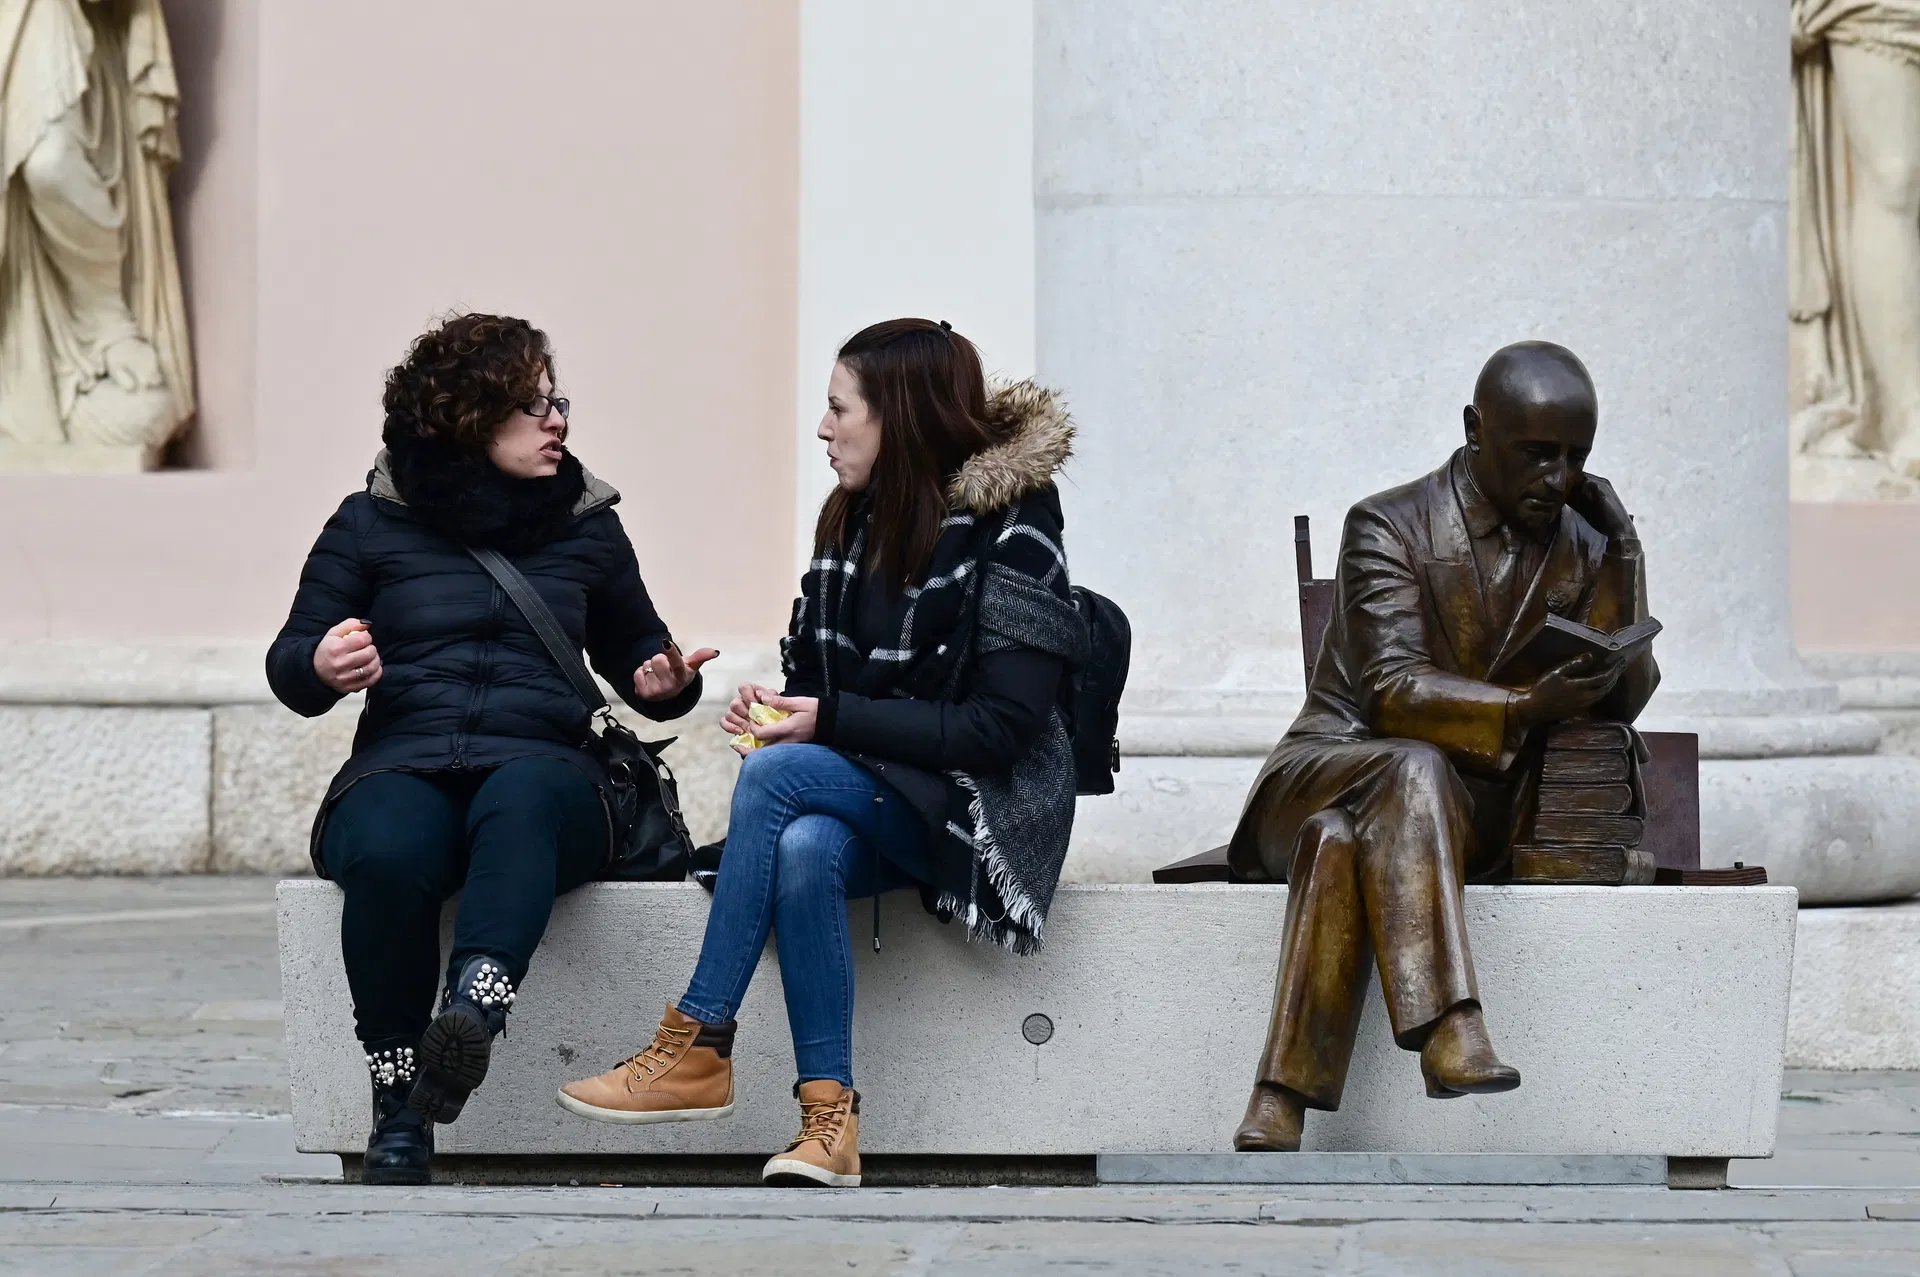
<point x="822" y="1120"/>
<point x="662" y="1052"/>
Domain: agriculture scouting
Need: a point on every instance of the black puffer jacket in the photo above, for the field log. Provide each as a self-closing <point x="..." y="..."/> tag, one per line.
<point x="467" y="682"/>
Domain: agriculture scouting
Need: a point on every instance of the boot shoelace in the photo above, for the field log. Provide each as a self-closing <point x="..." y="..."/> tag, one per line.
<point x="663" y="1050"/>
<point x="821" y="1120"/>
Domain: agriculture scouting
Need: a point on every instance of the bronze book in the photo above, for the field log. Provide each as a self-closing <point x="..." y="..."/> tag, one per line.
<point x="1559" y="829"/>
<point x="1584" y="767"/>
<point x="1590" y="866"/>
<point x="1589" y="735"/>
<point x="1743" y="876"/>
<point x="1556" y="640"/>
<point x="1588" y="800"/>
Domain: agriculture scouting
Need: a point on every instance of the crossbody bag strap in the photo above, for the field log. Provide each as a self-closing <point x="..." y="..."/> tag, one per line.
<point x="545" y="624"/>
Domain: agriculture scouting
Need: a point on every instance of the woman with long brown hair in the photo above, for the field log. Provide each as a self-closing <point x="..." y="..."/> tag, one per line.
<point x="925" y="744"/>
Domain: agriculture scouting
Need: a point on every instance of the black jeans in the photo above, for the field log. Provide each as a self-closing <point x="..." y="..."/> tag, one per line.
<point x="399" y="844"/>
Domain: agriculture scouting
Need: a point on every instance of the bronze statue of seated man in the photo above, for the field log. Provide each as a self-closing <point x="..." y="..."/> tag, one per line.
<point x="1402" y="777"/>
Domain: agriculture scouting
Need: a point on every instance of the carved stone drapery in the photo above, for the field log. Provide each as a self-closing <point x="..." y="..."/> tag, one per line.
<point x="96" y="372"/>
<point x="1854" y="282"/>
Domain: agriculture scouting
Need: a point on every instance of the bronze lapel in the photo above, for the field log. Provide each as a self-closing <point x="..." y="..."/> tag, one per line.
<point x="1455" y="591"/>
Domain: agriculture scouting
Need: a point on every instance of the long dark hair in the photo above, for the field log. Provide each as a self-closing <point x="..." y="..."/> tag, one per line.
<point x="925" y="383"/>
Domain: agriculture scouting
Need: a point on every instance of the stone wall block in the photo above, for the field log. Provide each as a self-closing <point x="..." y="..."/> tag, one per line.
<point x="104" y="790"/>
<point x="270" y="771"/>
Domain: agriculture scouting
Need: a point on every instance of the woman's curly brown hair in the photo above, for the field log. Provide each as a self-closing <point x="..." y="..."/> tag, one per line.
<point x="462" y="379"/>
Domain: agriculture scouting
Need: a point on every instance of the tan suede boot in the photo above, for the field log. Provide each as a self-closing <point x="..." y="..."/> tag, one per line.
<point x="684" y="1075"/>
<point x="827" y="1150"/>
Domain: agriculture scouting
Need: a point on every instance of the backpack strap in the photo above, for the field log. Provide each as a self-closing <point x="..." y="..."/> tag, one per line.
<point x="545" y="624"/>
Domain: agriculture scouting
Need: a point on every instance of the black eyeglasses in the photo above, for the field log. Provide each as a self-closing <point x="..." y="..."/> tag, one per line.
<point x="540" y="405"/>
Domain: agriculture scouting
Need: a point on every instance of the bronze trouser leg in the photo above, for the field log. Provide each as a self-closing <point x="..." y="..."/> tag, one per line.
<point x="1321" y="987"/>
<point x="1388" y="877"/>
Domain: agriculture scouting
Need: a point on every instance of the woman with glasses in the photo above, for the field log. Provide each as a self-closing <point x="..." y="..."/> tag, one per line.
<point x="467" y="772"/>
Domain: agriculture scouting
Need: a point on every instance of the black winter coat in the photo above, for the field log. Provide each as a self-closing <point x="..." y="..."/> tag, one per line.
<point x="467" y="682"/>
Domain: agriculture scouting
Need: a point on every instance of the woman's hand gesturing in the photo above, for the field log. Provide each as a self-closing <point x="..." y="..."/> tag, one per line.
<point x="663" y="677"/>
<point x="346" y="660"/>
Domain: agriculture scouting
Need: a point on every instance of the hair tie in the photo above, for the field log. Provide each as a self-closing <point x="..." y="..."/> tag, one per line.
<point x="945" y="326"/>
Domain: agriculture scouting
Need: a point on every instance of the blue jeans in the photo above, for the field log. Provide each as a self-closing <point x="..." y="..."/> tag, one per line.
<point x="809" y="832"/>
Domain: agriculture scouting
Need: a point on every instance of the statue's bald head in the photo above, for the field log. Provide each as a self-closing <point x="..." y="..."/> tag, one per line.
<point x="1529" y="430"/>
<point x="1530" y="373"/>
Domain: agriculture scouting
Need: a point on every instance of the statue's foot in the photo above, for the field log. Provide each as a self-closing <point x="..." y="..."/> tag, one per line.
<point x="1273" y="1122"/>
<point x="1458" y="1057"/>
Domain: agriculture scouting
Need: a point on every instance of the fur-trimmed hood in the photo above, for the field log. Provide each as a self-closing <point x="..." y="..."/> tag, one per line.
<point x="1039" y="445"/>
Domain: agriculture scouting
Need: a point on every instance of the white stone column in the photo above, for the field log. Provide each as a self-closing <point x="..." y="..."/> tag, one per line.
<point x="1276" y="241"/>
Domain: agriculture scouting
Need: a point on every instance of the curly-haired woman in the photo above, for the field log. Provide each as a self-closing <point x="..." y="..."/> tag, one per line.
<point x="467" y="771"/>
<point x="926" y="745"/>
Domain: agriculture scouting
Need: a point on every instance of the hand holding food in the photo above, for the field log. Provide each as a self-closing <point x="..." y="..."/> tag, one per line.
<point x="758" y="715"/>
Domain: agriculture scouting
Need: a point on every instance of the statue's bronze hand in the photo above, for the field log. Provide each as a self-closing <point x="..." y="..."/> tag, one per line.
<point x="1566" y="689"/>
<point x="1596" y="502"/>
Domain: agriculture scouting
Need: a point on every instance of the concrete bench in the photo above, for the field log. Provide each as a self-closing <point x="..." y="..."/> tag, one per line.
<point x="1646" y="1021"/>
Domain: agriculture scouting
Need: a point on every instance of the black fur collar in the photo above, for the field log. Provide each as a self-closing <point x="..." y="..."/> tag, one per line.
<point x="465" y="496"/>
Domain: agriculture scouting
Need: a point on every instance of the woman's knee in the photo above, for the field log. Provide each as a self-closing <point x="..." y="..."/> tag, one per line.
<point x="779" y="771"/>
<point x="392" y="862"/>
<point x="391" y="832"/>
<point x="809" y="856"/>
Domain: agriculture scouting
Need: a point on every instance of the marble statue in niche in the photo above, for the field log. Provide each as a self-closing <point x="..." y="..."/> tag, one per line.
<point x="96" y="372"/>
<point x="1854" y="249"/>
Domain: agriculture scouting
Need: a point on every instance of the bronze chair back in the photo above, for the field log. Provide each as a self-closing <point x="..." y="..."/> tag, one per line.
<point x="1316" y="596"/>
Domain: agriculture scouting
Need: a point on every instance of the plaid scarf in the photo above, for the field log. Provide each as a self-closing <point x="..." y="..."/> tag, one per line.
<point x="996" y="580"/>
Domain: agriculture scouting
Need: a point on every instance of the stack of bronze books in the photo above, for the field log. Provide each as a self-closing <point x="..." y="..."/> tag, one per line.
<point x="1588" y="817"/>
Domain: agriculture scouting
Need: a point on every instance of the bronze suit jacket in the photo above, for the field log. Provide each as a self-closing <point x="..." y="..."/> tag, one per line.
<point x="1411" y="639"/>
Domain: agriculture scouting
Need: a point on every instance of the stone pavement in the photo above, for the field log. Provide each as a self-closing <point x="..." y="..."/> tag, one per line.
<point x="143" y="1129"/>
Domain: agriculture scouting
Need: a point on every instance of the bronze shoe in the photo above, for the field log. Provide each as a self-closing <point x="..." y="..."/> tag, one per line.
<point x="1458" y="1057"/>
<point x="1274" y="1122"/>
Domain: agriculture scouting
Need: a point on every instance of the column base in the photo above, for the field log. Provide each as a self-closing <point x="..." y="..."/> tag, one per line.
<point x="1843" y="829"/>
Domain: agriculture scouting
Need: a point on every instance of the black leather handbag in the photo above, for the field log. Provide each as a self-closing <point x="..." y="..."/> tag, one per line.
<point x="650" y="839"/>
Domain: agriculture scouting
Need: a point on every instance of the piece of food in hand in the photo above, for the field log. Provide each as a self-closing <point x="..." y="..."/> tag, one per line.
<point x="760" y="716"/>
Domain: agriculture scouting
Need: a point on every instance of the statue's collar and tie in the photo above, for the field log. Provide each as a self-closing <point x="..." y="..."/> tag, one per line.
<point x="1505" y="556"/>
<point x="1482" y="516"/>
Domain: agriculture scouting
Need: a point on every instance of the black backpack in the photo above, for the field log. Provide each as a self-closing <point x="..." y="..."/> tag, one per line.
<point x="1092" y="694"/>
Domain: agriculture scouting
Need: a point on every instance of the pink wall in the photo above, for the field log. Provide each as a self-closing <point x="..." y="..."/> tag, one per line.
<point x="1856" y="576"/>
<point x="625" y="175"/>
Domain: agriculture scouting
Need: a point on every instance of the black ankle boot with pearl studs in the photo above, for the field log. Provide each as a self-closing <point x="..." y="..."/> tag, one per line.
<point x="400" y="1149"/>
<point x="455" y="1048"/>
